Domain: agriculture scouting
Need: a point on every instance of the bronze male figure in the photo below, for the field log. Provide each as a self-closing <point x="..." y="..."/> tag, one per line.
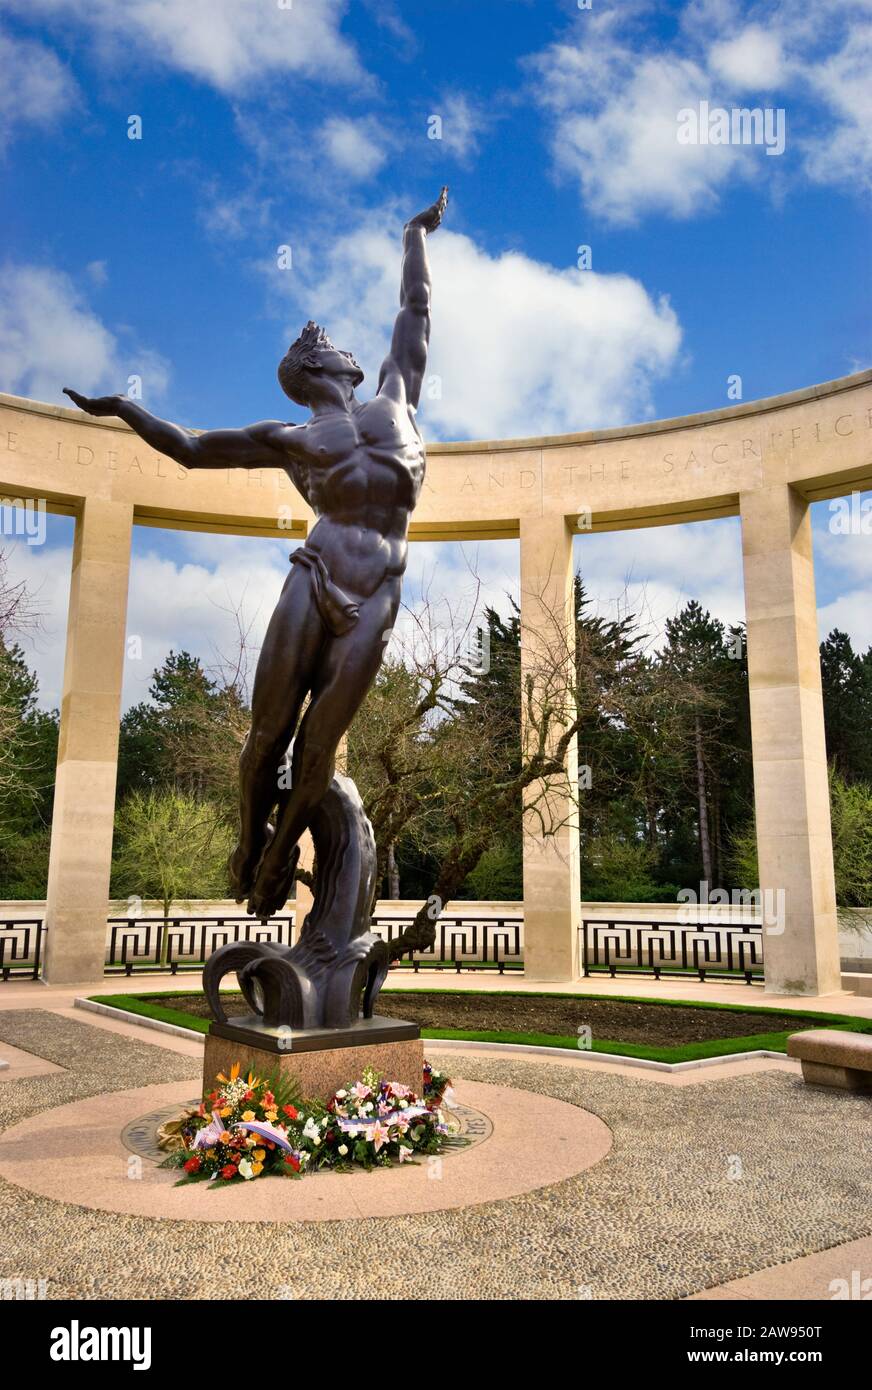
<point x="360" y="466"/>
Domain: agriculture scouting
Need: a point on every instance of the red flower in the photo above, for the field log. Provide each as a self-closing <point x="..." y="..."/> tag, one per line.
<point x="228" y="1172"/>
<point x="192" y="1165"/>
<point x="249" y="1095"/>
<point x="268" y="1100"/>
<point x="290" y="1112"/>
<point x="293" y="1162"/>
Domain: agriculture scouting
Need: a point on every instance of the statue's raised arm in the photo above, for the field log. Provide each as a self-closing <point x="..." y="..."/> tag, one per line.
<point x="402" y="372"/>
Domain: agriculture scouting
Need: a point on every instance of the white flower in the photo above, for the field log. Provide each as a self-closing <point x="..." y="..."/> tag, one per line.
<point x="245" y="1168"/>
<point x="340" y="1095"/>
<point x="342" y="1150"/>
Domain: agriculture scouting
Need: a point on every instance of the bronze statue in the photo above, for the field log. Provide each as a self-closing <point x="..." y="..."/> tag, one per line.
<point x="360" y="466"/>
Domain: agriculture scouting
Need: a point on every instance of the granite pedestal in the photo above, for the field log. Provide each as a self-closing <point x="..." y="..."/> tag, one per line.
<point x="320" y="1060"/>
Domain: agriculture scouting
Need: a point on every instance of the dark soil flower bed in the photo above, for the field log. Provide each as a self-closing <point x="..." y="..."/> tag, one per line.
<point x="629" y="1021"/>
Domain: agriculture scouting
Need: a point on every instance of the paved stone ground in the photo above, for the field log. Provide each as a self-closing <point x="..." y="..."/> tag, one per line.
<point x="661" y="1217"/>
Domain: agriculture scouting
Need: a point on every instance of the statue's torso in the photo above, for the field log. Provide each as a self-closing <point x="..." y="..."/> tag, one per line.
<point x="361" y="473"/>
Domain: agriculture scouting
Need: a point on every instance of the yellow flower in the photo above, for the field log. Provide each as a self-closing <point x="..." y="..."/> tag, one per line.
<point x="224" y="1137"/>
<point x="225" y="1112"/>
<point x="256" y="1168"/>
<point x="272" y="1115"/>
<point x="259" y="1155"/>
<point x="210" y="1153"/>
<point x="248" y="1115"/>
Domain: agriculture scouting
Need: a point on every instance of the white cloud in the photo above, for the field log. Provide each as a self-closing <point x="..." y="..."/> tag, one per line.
<point x="462" y="123"/>
<point x="752" y="60"/>
<point x="615" y="130"/>
<point x="36" y="88"/>
<point x="230" y="44"/>
<point x="613" y="92"/>
<point x="654" y="571"/>
<point x="185" y="600"/>
<point x="46" y="571"/>
<point x="518" y="347"/>
<point x="50" y="338"/>
<point x="851" y="613"/>
<point x="356" y="147"/>
<point x="842" y="154"/>
<point x="842" y="538"/>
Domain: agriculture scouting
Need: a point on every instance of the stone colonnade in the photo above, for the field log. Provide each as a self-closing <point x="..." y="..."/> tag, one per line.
<point x="765" y="462"/>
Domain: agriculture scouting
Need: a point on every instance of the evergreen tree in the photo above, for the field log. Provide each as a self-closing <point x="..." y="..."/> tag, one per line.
<point x="846" y="677"/>
<point x="28" y="755"/>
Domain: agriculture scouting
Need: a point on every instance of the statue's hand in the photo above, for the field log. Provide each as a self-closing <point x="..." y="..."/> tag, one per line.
<point x="95" y="405"/>
<point x="430" y="218"/>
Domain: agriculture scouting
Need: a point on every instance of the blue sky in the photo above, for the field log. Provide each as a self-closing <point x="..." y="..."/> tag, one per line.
<point x="308" y="126"/>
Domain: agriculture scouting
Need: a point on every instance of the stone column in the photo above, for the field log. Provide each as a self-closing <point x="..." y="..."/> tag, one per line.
<point x="552" y="890"/>
<point x="84" y="804"/>
<point x="791" y="793"/>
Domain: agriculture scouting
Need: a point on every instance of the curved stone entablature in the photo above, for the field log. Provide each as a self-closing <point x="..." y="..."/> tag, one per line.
<point x="696" y="466"/>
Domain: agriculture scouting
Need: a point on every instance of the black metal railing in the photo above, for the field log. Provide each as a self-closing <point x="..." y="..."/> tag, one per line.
<point x="465" y="942"/>
<point x="138" y="944"/>
<point x="710" y="950"/>
<point x="21" y="947"/>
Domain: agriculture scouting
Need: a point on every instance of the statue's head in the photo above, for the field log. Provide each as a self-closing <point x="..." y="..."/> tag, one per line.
<point x="310" y="359"/>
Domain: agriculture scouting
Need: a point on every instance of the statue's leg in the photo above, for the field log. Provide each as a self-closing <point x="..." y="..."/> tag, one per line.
<point x="288" y="658"/>
<point x="346" y="668"/>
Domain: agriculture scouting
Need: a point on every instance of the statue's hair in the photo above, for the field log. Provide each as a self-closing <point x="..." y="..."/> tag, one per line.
<point x="299" y="356"/>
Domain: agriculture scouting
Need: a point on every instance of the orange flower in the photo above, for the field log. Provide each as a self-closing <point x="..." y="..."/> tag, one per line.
<point x="234" y="1072"/>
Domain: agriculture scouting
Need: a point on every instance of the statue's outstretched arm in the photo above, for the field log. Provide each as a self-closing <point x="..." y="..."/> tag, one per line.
<point x="256" y="446"/>
<point x="403" y="368"/>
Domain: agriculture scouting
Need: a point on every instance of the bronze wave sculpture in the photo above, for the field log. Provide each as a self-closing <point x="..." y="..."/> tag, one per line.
<point x="360" y="466"/>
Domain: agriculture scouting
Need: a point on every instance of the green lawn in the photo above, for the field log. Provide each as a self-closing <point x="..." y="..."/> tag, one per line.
<point x="146" y="1006"/>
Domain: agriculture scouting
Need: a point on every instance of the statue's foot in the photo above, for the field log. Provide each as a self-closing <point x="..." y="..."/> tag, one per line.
<point x="273" y="884"/>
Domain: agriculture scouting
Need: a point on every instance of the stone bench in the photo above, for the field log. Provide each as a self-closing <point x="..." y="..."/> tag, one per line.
<point x="832" y="1058"/>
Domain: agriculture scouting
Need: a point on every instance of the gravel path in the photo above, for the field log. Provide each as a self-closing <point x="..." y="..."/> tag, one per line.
<point x="704" y="1184"/>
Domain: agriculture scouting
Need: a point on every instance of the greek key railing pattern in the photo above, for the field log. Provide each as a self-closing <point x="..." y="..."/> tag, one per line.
<point x="712" y="950"/>
<point x="21" y="947"/>
<point x="139" y="944"/>
<point x="463" y="942"/>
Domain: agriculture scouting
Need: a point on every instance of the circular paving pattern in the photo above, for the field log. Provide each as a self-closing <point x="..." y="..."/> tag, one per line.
<point x="101" y="1153"/>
